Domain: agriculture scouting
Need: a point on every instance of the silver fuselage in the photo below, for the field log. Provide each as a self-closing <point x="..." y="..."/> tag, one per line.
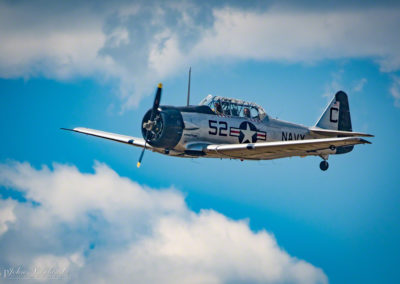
<point x="204" y="129"/>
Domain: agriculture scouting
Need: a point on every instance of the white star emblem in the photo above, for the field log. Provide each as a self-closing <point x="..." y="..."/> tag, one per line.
<point x="248" y="134"/>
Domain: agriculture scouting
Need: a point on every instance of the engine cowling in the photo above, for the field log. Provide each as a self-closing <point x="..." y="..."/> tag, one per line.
<point x="166" y="129"/>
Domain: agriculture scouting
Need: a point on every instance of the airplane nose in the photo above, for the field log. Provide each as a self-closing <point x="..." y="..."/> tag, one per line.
<point x="166" y="128"/>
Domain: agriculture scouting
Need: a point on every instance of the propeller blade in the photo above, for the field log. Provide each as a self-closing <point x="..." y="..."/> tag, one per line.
<point x="141" y="156"/>
<point x="154" y="111"/>
<point x="156" y="103"/>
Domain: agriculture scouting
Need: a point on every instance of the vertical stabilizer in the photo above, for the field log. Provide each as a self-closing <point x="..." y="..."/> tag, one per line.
<point x="337" y="114"/>
<point x="337" y="117"/>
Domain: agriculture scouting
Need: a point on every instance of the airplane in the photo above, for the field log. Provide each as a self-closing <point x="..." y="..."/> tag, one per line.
<point x="227" y="128"/>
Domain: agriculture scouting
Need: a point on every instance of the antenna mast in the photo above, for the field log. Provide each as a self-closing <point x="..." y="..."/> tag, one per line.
<point x="188" y="94"/>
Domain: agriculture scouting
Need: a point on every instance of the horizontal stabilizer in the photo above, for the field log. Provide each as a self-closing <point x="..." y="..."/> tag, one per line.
<point x="336" y="133"/>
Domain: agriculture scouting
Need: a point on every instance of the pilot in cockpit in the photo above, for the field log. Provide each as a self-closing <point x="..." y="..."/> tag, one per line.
<point x="246" y="112"/>
<point x="218" y="108"/>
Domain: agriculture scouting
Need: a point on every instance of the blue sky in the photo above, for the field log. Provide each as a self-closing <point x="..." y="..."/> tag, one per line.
<point x="96" y="66"/>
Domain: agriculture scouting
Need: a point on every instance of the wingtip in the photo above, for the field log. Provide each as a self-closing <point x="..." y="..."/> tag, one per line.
<point x="138" y="164"/>
<point x="68" y="129"/>
<point x="365" y="141"/>
<point x="366" y="135"/>
<point x="160" y="85"/>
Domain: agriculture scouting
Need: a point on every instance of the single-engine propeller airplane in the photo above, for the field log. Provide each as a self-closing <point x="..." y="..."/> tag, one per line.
<point x="222" y="127"/>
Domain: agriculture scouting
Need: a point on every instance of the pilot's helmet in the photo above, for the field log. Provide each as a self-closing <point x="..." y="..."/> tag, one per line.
<point x="246" y="112"/>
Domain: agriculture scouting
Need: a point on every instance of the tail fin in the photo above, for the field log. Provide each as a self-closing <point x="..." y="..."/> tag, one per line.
<point x="337" y="114"/>
<point x="337" y="117"/>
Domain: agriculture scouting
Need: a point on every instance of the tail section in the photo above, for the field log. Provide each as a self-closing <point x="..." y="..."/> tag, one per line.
<point x="337" y="114"/>
<point x="337" y="117"/>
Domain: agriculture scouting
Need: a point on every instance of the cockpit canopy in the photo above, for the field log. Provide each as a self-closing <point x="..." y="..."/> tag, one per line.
<point x="234" y="107"/>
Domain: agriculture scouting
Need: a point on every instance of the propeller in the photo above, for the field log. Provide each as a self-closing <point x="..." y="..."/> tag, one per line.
<point x="149" y="125"/>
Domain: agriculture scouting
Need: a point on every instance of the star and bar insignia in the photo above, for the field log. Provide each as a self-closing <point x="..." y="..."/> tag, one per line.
<point x="248" y="133"/>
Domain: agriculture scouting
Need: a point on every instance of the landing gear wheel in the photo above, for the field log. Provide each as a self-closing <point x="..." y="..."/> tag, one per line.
<point x="324" y="165"/>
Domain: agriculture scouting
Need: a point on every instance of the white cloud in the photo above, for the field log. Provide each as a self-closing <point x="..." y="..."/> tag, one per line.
<point x="395" y="90"/>
<point x="119" y="36"/>
<point x="334" y="85"/>
<point x="137" y="45"/>
<point x="337" y="83"/>
<point x="305" y="36"/>
<point x="359" y="85"/>
<point x="6" y="215"/>
<point x="101" y="227"/>
<point x="60" y="46"/>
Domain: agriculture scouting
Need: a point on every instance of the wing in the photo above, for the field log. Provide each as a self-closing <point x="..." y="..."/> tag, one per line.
<point x="281" y="149"/>
<point x="335" y="133"/>
<point x="138" y="142"/>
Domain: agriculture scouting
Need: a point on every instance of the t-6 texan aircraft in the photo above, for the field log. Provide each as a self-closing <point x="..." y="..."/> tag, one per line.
<point x="228" y="128"/>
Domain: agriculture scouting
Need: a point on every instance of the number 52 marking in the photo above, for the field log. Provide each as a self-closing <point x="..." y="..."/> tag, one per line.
<point x="223" y="127"/>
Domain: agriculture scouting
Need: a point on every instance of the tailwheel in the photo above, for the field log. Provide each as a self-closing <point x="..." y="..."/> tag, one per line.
<point x="324" y="165"/>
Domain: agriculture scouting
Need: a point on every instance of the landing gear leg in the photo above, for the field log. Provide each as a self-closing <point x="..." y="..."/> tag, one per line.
<point x="324" y="165"/>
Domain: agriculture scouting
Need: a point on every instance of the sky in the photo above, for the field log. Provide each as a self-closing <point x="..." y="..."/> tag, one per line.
<point x="78" y="206"/>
